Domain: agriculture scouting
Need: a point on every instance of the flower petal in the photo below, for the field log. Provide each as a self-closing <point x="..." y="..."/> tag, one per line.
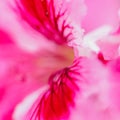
<point x="56" y="102"/>
<point x="48" y="17"/>
<point x="99" y="13"/>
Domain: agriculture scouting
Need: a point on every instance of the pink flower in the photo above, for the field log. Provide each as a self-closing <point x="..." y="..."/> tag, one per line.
<point x="50" y="69"/>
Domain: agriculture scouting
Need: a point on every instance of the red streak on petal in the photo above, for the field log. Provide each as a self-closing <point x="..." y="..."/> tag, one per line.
<point x="36" y="8"/>
<point x="101" y="58"/>
<point x="42" y="16"/>
<point x="55" y="104"/>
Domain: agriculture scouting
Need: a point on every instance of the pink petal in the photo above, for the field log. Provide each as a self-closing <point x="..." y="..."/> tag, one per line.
<point x="50" y="18"/>
<point x="63" y="86"/>
<point x="109" y="46"/>
<point x="101" y="13"/>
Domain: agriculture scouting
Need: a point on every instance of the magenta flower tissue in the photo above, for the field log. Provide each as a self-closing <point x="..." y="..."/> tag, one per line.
<point x="59" y="60"/>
